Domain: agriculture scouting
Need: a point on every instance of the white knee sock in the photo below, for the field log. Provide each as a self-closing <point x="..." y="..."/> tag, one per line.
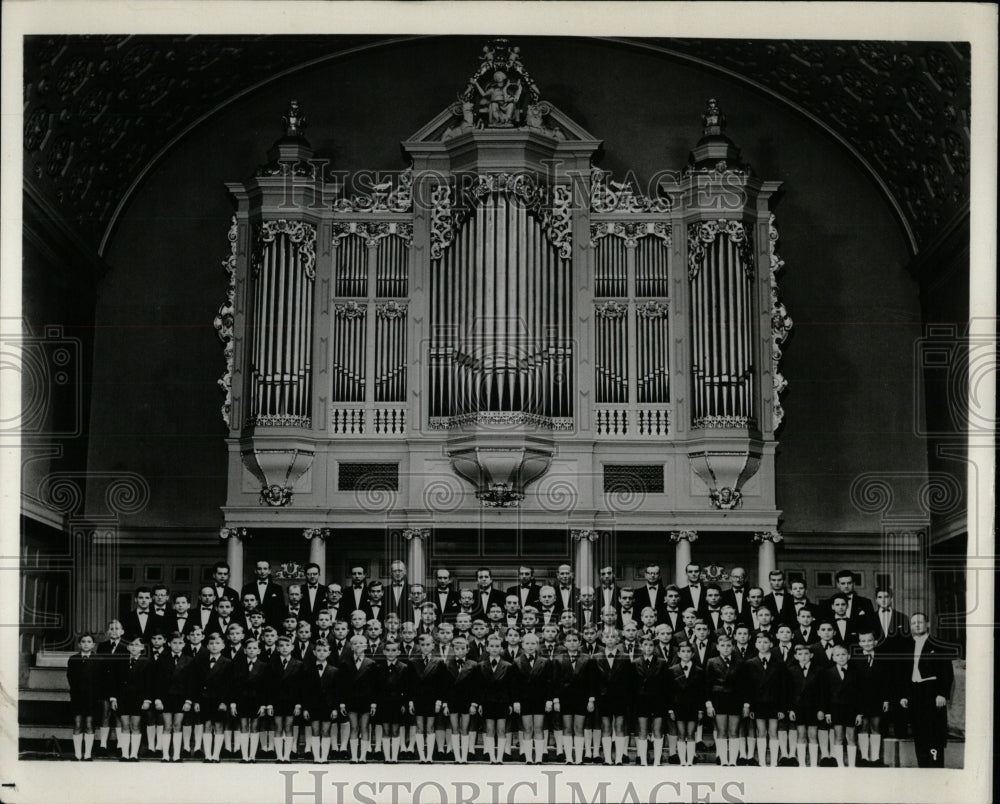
<point x="606" y="745"/>
<point x="254" y="743"/>
<point x="104" y="732"/>
<point x="671" y="745"/>
<point x="800" y="754"/>
<point x="722" y="750"/>
<point x="762" y="750"/>
<point x="838" y="754"/>
<point x="558" y="740"/>
<point x="394" y="743"/>
<point x="875" y="747"/>
<point x="698" y="733"/>
<point x="734" y="750"/>
<point x="823" y="736"/>
<point x="578" y="748"/>
<point x="159" y="735"/>
<point x="691" y="751"/>
<point x="657" y="750"/>
<point x="120" y="736"/>
<point x="641" y="749"/>
<point x="165" y="745"/>
<point x="682" y="751"/>
<point x="863" y="745"/>
<point x="567" y="747"/>
<point x="362" y="750"/>
<point x="489" y="746"/>
<point x="501" y="747"/>
<point x="813" y="754"/>
<point x="421" y="748"/>
<point x="217" y="745"/>
<point x="852" y="753"/>
<point x="314" y="744"/>
<point x="354" y="748"/>
<point x="78" y="746"/>
<point x="186" y="732"/>
<point x="748" y="746"/>
<point x="88" y="744"/>
<point x="456" y="747"/>
<point x="134" y="741"/>
<point x="774" y="745"/>
<point x="465" y="741"/>
<point x="621" y="745"/>
<point x="783" y="742"/>
<point x="527" y="745"/>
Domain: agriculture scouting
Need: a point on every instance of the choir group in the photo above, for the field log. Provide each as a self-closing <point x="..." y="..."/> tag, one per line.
<point x="388" y="671"/>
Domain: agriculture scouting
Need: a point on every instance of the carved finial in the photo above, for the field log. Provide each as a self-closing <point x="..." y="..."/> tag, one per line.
<point x="713" y="120"/>
<point x="294" y="120"/>
<point x="501" y="87"/>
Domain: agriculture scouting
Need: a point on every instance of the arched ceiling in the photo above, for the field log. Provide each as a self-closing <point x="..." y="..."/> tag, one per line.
<point x="98" y="110"/>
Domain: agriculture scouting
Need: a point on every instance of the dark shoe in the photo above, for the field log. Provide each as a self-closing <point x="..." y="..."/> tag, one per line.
<point x="793" y="762"/>
<point x="752" y="763"/>
<point x="625" y="759"/>
<point x="673" y="759"/>
<point x="88" y="759"/>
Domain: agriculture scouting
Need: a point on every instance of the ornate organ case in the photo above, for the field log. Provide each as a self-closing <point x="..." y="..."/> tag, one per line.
<point x="501" y="327"/>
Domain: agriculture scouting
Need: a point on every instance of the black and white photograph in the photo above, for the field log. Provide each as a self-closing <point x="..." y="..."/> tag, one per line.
<point x="498" y="402"/>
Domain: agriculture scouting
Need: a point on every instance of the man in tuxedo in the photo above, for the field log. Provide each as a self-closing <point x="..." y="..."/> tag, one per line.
<point x="844" y="629"/>
<point x="486" y="593"/>
<point x="805" y="632"/>
<point x="627" y="611"/>
<point x="398" y="599"/>
<point x="357" y="593"/>
<point x="143" y="622"/>
<point x="779" y="601"/>
<point x="335" y="602"/>
<point x="891" y="627"/>
<point x="693" y="595"/>
<point x="511" y="612"/>
<point x="548" y="610"/>
<point x="672" y="608"/>
<point x="566" y="593"/>
<point x="587" y="609"/>
<point x="526" y="589"/>
<point x="295" y="607"/>
<point x="313" y="593"/>
<point x="608" y="592"/>
<point x="713" y="607"/>
<point x="220" y="583"/>
<point x="736" y="594"/>
<point x="161" y="601"/>
<point x="755" y="599"/>
<point x="181" y="619"/>
<point x="376" y="608"/>
<point x="269" y="593"/>
<point x="652" y="593"/>
<point x="800" y="599"/>
<point x="860" y="610"/>
<point x="204" y="615"/>
<point x="926" y="683"/>
<point x="444" y="597"/>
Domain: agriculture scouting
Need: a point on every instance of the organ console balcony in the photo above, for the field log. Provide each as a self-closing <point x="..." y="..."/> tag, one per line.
<point x="502" y="318"/>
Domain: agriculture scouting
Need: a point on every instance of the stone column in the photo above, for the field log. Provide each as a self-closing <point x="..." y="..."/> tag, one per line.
<point x="682" y="553"/>
<point x="583" y="558"/>
<point x="766" y="558"/>
<point x="234" y="537"/>
<point x="416" y="563"/>
<point x="317" y="548"/>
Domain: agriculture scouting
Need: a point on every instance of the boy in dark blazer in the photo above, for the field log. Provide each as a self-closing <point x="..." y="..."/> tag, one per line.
<point x="764" y="684"/>
<point x="689" y="701"/>
<point x="496" y="684"/>
<point x="361" y="695"/>
<point x="722" y="693"/>
<point x="252" y="684"/>
<point x="172" y="695"/>
<point x="840" y="704"/>
<point x="109" y="652"/>
<point x="143" y="621"/>
<point x="804" y="705"/>
<point x="84" y="675"/>
<point x="615" y="677"/>
<point x="874" y="672"/>
<point x="213" y="689"/>
<point x="321" y="699"/>
<point x="131" y="695"/>
<point x="285" y="702"/>
<point x="395" y="688"/>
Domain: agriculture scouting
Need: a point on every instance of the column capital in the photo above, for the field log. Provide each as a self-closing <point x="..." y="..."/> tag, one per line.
<point x="415" y="533"/>
<point x="580" y="534"/>
<point x="684" y="535"/>
<point x="233" y="533"/>
<point x="773" y="536"/>
<point x="316" y="533"/>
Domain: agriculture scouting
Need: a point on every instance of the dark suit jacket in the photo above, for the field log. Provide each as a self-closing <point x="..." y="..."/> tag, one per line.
<point x="212" y="685"/>
<point x="574" y="597"/>
<point x="574" y="679"/>
<point x="403" y="607"/>
<point x="595" y="615"/>
<point x="804" y="692"/>
<point x="599" y="597"/>
<point x="615" y="684"/>
<point x="899" y="631"/>
<point x="273" y="603"/>
<point x="360" y="686"/>
<point x="339" y="612"/>
<point x="729" y="597"/>
<point x="875" y="682"/>
<point x="321" y="692"/>
<point x="720" y="680"/>
<point x="850" y="637"/>
<point x="496" y="596"/>
<point x="230" y="593"/>
<point x="252" y="687"/>
<point x="395" y="685"/>
<point x="714" y="619"/>
<point x="532" y="596"/>
<point x="446" y="614"/>
<point x="108" y="659"/>
<point x="690" y="689"/>
<point x="188" y="623"/>
<point x="317" y="605"/>
<point x="133" y="683"/>
<point x="673" y="619"/>
<point x="195" y="614"/>
<point x="710" y="653"/>
<point x="351" y="604"/>
<point x="669" y="654"/>
<point x="533" y="686"/>
<point x="286" y="683"/>
<point x="687" y="600"/>
<point x="133" y="628"/>
<point x="653" y="684"/>
<point x="764" y="688"/>
<point x="642" y="600"/>
<point x="174" y="680"/>
<point x="303" y="614"/>
<point x="840" y="694"/>
<point x="553" y="617"/>
<point x="860" y="612"/>
<point x="496" y="688"/>
<point x="86" y="680"/>
<point x="380" y="615"/>
<point x="811" y="637"/>
<point x="785" y="613"/>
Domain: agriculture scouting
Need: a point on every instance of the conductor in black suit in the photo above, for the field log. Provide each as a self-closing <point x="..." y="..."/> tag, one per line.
<point x="926" y="680"/>
<point x="652" y="594"/>
<point x="269" y="593"/>
<point x="526" y="588"/>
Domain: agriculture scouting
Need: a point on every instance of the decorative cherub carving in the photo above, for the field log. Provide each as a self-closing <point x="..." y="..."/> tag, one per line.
<point x="499" y="101"/>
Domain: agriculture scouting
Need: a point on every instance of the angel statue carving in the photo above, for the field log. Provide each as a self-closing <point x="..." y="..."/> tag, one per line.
<point x="499" y="100"/>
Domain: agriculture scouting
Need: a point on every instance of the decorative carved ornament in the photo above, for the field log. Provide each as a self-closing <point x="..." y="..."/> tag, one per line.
<point x="276" y="496"/>
<point x="372" y="232"/>
<point x="290" y="571"/>
<point x="772" y="536"/>
<point x="723" y="422"/>
<point x="316" y="533"/>
<point x="684" y="535"/>
<point x="232" y="533"/>
<point x="409" y="534"/>
<point x="632" y="231"/>
<point x="726" y="498"/>
<point x="615" y="196"/>
<point x="300" y="233"/>
<point x="224" y="320"/>
<point x="279" y="420"/>
<point x="781" y="326"/>
<point x="714" y="573"/>
<point x="500" y="418"/>
<point x="501" y="91"/>
<point x="653" y="308"/>
<point x="580" y="535"/>
<point x="391" y="310"/>
<point x="385" y="196"/>
<point x="703" y="233"/>
<point x="350" y="310"/>
<point x="611" y="309"/>
<point x="442" y="220"/>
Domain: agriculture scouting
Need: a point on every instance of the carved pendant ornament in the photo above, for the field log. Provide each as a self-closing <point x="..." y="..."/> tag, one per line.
<point x="373" y="233"/>
<point x="632" y="231"/>
<point x="704" y="233"/>
<point x="781" y="326"/>
<point x="614" y="196"/>
<point x="300" y="233"/>
<point x="224" y="321"/>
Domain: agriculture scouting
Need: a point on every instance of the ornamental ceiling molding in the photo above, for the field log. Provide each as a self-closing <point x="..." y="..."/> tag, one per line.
<point x="900" y="108"/>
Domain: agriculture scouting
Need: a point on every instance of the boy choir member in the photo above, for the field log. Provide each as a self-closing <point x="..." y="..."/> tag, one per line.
<point x="840" y="704"/>
<point x="875" y="682"/>
<point x="532" y="693"/>
<point x="172" y="695"/>
<point x="764" y="684"/>
<point x="653" y="694"/>
<point x="495" y="688"/>
<point x="85" y="676"/>
<point x="459" y="696"/>
<point x="615" y="678"/>
<point x="131" y="697"/>
<point x="722" y="700"/>
<point x="574" y="698"/>
<point x="688" y="701"/>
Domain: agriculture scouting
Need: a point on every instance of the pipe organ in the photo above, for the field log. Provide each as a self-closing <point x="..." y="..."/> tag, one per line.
<point x="501" y="317"/>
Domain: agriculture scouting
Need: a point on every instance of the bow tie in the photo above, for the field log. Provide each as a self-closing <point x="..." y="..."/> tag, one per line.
<point x="842" y="618"/>
<point x="653" y="588"/>
<point x="182" y="616"/>
<point x="395" y="586"/>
